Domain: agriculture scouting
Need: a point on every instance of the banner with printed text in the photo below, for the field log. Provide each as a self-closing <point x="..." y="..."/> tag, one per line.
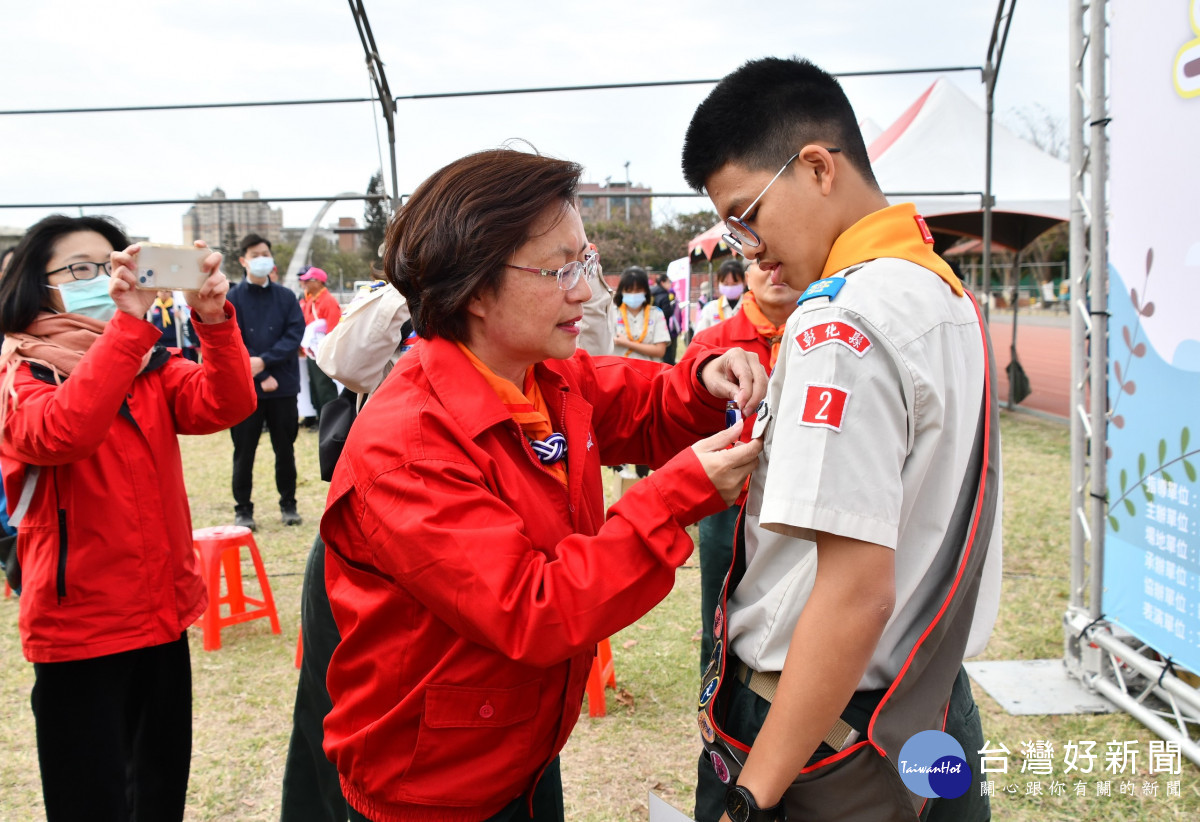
<point x="1152" y="543"/>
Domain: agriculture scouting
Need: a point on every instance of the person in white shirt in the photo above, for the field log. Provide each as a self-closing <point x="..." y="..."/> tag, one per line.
<point x="641" y="327"/>
<point x="731" y="284"/>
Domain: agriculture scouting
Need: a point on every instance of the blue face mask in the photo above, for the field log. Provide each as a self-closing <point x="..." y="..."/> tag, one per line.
<point x="261" y="267"/>
<point x="634" y="301"/>
<point x="88" y="298"/>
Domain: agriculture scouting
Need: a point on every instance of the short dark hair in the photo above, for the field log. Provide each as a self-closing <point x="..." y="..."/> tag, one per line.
<point x="731" y="266"/>
<point x="454" y="235"/>
<point x="251" y="240"/>
<point x="23" y="293"/>
<point x="795" y="103"/>
<point x="632" y="279"/>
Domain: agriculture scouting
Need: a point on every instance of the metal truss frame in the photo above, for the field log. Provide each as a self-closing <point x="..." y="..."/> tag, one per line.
<point x="1130" y="674"/>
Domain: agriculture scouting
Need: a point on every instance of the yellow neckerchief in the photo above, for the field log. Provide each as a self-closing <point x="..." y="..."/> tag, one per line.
<point x="529" y="410"/>
<point x="897" y="231"/>
<point x="165" y="309"/>
<point x="645" y="323"/>
<point x="772" y="333"/>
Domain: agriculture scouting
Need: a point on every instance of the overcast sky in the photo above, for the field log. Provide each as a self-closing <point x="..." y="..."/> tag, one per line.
<point x="68" y="53"/>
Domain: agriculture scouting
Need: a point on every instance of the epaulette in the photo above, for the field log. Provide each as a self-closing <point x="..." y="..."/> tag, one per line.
<point x="828" y="287"/>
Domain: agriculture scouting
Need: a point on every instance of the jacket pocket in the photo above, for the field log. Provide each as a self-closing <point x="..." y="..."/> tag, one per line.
<point x="61" y="572"/>
<point x="473" y="746"/>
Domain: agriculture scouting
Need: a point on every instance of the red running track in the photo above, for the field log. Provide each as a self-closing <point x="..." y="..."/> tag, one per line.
<point x="1044" y="350"/>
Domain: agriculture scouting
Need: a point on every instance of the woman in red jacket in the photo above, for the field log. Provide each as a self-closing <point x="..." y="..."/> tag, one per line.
<point x="471" y="567"/>
<point x="91" y="410"/>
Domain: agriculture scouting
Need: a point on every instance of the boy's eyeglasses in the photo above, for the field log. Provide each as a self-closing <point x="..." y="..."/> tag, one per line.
<point x="740" y="233"/>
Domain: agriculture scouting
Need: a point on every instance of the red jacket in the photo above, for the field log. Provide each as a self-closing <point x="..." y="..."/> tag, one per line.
<point x="323" y="306"/>
<point x="735" y="332"/>
<point x="118" y="572"/>
<point x="470" y="586"/>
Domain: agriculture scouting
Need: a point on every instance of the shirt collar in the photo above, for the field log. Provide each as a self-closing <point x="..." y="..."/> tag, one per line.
<point x="897" y="232"/>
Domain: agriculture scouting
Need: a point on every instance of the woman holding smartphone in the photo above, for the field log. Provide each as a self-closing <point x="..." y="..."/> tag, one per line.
<point x="90" y="412"/>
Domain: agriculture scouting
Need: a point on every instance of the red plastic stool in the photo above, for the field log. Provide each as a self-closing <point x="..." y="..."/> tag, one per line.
<point x="220" y="548"/>
<point x="603" y="675"/>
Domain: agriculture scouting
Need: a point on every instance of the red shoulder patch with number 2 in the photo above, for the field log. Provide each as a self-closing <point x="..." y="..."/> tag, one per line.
<point x="824" y="406"/>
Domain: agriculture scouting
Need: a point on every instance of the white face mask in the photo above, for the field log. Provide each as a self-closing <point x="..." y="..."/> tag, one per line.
<point x="634" y="301"/>
<point x="261" y="267"/>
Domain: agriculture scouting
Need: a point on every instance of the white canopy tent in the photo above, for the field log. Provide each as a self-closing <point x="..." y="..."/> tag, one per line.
<point x="933" y="156"/>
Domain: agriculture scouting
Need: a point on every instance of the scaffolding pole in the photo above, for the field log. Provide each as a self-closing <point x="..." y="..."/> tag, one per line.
<point x="1129" y="673"/>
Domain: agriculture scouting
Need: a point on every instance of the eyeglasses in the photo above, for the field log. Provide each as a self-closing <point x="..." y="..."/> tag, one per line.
<point x="740" y="233"/>
<point x="568" y="276"/>
<point x="84" y="271"/>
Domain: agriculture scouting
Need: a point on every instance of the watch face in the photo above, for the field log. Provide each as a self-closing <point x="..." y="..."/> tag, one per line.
<point x="736" y="806"/>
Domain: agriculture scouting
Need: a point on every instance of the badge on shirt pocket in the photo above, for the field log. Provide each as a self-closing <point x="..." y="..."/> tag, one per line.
<point x="824" y="406"/>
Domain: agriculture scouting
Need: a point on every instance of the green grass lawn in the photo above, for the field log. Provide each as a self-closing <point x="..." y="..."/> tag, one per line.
<point x="648" y="740"/>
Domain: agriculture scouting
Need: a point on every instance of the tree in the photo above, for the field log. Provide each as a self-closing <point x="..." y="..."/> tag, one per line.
<point x="342" y="268"/>
<point x="229" y="247"/>
<point x="694" y="223"/>
<point x="376" y="214"/>
<point x="283" y="253"/>
<point x="1038" y="126"/>
<point x="624" y="244"/>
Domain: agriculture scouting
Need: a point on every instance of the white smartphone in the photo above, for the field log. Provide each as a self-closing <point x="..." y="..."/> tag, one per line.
<point x="170" y="267"/>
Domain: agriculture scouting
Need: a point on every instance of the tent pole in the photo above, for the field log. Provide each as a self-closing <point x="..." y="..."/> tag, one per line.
<point x="989" y="75"/>
<point x="990" y="71"/>
<point x="1012" y="351"/>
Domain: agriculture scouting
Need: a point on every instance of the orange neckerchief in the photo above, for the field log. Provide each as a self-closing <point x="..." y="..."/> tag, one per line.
<point x="529" y="410"/>
<point x="645" y="323"/>
<point x="771" y="333"/>
<point x="897" y="231"/>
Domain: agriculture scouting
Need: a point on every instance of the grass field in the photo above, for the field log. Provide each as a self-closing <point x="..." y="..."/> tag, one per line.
<point x="648" y="741"/>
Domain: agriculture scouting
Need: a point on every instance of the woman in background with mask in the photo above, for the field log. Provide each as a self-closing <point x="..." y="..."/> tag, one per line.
<point x="642" y="332"/>
<point x="90" y="412"/>
<point x="731" y="283"/>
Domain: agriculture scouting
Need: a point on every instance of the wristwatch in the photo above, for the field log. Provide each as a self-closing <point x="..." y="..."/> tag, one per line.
<point x="741" y="807"/>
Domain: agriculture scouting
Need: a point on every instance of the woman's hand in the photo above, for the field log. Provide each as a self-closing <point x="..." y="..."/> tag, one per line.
<point x="736" y="375"/>
<point x="209" y="302"/>
<point x="727" y="466"/>
<point x="122" y="286"/>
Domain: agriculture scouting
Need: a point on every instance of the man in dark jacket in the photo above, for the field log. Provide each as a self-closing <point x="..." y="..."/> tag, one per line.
<point x="664" y="299"/>
<point x="272" y="326"/>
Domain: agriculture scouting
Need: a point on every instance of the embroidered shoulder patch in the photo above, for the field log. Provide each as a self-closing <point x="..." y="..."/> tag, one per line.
<point x="824" y="406"/>
<point x="838" y="331"/>
<point x="828" y="287"/>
